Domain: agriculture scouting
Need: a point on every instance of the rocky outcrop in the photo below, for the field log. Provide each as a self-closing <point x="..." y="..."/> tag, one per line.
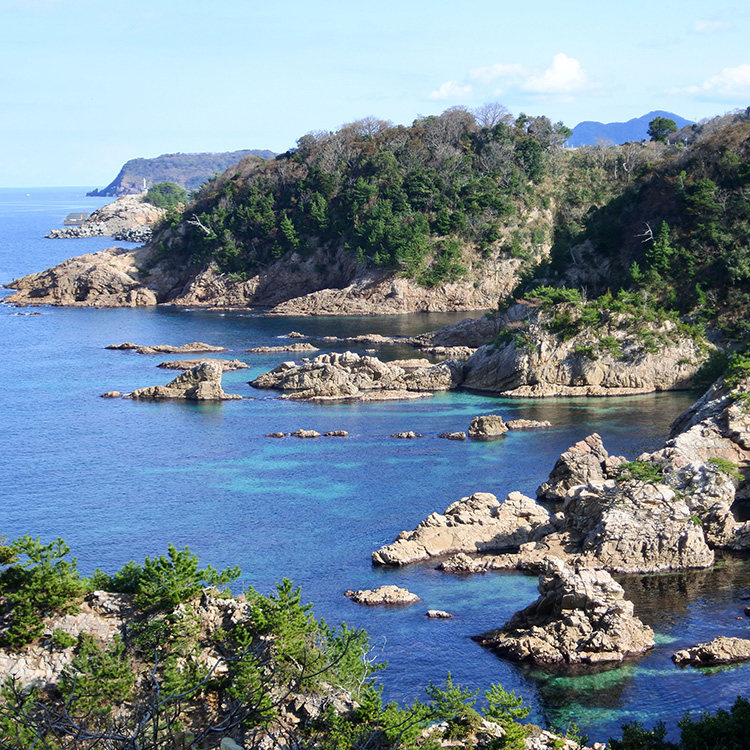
<point x="534" y="361"/>
<point x="351" y="377"/>
<point x="438" y="614"/>
<point x="460" y="435"/>
<point x="227" y="365"/>
<point x="194" y="347"/>
<point x="581" y="617"/>
<point x="201" y="383"/>
<point x="479" y="523"/>
<point x="119" y="218"/>
<point x="487" y="427"/>
<point x="586" y="461"/>
<point x="388" y="595"/>
<point x="721" y="650"/>
<point x="288" y="348"/>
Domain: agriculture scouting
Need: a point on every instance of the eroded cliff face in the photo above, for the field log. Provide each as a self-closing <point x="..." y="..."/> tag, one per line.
<point x="314" y="284"/>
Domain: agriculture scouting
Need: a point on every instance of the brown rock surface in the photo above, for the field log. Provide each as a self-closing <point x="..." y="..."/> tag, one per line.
<point x="487" y="427"/>
<point x="721" y="650"/>
<point x="201" y="383"/>
<point x="581" y="617"/>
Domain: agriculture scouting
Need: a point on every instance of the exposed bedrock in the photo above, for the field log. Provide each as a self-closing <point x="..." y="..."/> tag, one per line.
<point x="581" y="617"/>
<point x="349" y="376"/>
<point x="721" y="650"/>
<point x="200" y="383"/>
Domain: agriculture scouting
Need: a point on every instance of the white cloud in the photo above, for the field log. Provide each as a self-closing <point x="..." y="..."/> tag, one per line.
<point x="709" y="27"/>
<point x="512" y="71"/>
<point x="450" y="90"/>
<point x="565" y="76"/>
<point x="730" y="82"/>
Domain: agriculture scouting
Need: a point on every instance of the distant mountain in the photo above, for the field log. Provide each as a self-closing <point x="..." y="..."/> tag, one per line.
<point x="588" y="133"/>
<point x="187" y="170"/>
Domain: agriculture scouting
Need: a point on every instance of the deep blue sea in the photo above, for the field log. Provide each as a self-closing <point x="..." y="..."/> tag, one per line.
<point x="119" y="480"/>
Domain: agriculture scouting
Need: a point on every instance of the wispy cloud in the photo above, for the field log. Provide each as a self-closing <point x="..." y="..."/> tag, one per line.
<point x="498" y="71"/>
<point x="709" y="27"/>
<point x="450" y="90"/>
<point x="730" y="82"/>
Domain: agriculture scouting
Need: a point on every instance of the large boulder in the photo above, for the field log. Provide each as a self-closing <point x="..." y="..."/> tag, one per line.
<point x="487" y="427"/>
<point x="473" y="524"/>
<point x="200" y="383"/>
<point x="581" y="617"/>
<point x="586" y="461"/>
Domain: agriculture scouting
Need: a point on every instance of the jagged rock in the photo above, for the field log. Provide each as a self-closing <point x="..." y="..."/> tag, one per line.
<point x="581" y="617"/>
<point x="382" y="595"/>
<point x="194" y="347"/>
<point x="438" y="614"/>
<point x="305" y="347"/>
<point x="487" y="427"/>
<point x="584" y="462"/>
<point x="721" y="650"/>
<point x="459" y="353"/>
<point x="295" y="335"/>
<point x="473" y="524"/>
<point x="336" y="433"/>
<point x="453" y="435"/>
<point x="527" y="424"/>
<point x="112" y="394"/>
<point x="201" y="383"/>
<point x="349" y="376"/>
<point x="306" y="434"/>
<point x="227" y="365"/>
<point x="406" y="435"/>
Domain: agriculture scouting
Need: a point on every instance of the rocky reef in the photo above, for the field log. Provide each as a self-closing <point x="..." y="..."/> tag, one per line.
<point x="721" y="650"/>
<point x="200" y="383"/>
<point x="351" y="377"/>
<point x="581" y="617"/>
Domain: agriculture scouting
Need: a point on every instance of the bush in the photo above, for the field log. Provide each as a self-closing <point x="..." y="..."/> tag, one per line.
<point x="166" y="195"/>
<point x="641" y="471"/>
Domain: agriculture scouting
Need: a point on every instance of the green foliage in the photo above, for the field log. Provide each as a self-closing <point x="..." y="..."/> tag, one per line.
<point x="164" y="582"/>
<point x="166" y="195"/>
<point x="549" y="296"/>
<point x="660" y="127"/>
<point x="636" y="737"/>
<point x="738" y="369"/>
<point x="506" y="709"/>
<point x="455" y="705"/>
<point x="726" y="467"/>
<point x="36" y="581"/>
<point x="97" y="679"/>
<point x="641" y="471"/>
<point x="61" y="639"/>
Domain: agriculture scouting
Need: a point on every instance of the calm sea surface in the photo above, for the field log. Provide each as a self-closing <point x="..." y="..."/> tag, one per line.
<point x="119" y="480"/>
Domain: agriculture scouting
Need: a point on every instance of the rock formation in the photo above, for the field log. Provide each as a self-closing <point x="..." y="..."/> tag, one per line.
<point x="581" y="617"/>
<point x="201" y="383"/>
<point x="128" y="213"/>
<point x="288" y="348"/>
<point x="473" y="524"/>
<point x="721" y="650"/>
<point x="487" y="427"/>
<point x="227" y="365"/>
<point x="382" y="595"/>
<point x="194" y="347"/>
<point x="349" y="376"/>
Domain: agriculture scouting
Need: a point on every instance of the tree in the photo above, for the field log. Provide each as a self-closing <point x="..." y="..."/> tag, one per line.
<point x="660" y="127"/>
<point x="166" y="194"/>
<point x="491" y="114"/>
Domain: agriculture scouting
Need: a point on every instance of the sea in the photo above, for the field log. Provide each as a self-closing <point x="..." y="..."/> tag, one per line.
<point x="120" y="480"/>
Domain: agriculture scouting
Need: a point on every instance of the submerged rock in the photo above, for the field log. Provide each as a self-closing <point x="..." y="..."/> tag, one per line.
<point x="721" y="650"/>
<point x="201" y="383"/>
<point x="383" y="595"/>
<point x="194" y="347"/>
<point x="410" y="435"/>
<point x="288" y="348"/>
<point x="581" y="617"/>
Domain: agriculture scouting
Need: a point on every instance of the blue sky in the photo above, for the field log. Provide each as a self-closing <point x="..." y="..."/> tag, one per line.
<point x="87" y="85"/>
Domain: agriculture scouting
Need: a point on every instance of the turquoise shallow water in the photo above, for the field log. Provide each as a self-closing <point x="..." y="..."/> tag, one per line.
<point x="119" y="480"/>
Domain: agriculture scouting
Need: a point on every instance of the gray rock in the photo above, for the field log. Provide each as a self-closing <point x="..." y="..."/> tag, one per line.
<point x="201" y="383"/>
<point x="487" y="427"/>
<point x="581" y="617"/>
<point x="473" y="524"/>
<point x="438" y="614"/>
<point x="227" y="365"/>
<point x="453" y="435"/>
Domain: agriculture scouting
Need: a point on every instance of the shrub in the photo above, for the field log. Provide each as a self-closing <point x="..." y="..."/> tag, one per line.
<point x="166" y="195"/>
<point x="641" y="471"/>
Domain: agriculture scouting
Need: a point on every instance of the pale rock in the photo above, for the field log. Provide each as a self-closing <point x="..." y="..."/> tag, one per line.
<point x="201" y="383"/>
<point x="453" y="435"/>
<point x="384" y="595"/>
<point x="478" y="523"/>
<point x="721" y="650"/>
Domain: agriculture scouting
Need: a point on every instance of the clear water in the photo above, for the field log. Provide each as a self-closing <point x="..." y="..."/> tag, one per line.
<point x="119" y="480"/>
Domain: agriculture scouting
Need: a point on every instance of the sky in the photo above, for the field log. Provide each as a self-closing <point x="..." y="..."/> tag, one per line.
<point x="86" y="85"/>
